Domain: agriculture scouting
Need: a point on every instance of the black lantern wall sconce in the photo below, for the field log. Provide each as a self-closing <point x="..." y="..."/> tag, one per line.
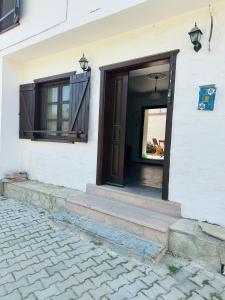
<point x="195" y="35"/>
<point x="84" y="64"/>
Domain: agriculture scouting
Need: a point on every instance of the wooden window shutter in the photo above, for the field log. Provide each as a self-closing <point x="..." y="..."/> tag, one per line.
<point x="79" y="107"/>
<point x="9" y="14"/>
<point x="27" y="111"/>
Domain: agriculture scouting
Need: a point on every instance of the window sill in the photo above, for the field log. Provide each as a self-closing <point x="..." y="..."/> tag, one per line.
<point x="9" y="28"/>
<point x="64" y="141"/>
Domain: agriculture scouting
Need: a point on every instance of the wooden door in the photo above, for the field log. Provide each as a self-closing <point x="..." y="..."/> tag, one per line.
<point x="117" y="97"/>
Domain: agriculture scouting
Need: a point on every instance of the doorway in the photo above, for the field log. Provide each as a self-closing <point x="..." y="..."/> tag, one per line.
<point x="118" y="157"/>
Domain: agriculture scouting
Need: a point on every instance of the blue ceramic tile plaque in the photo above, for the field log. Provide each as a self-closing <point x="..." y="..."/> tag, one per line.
<point x="207" y="95"/>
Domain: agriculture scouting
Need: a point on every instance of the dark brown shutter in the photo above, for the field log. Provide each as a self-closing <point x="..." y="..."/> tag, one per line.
<point x="9" y="13"/>
<point x="27" y="110"/>
<point x="79" y="108"/>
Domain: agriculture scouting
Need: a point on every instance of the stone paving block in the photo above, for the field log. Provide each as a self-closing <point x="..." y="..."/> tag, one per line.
<point x="26" y="291"/>
<point x="130" y="265"/>
<point x="154" y="291"/>
<point x="101" y="268"/>
<point x="100" y="279"/>
<point x="29" y="262"/>
<point x="87" y="264"/>
<point x="83" y="288"/>
<point x="37" y="276"/>
<point x="56" y="268"/>
<point x="181" y="275"/>
<point x="6" y="279"/>
<point x="70" y="271"/>
<point x="10" y="287"/>
<point x="42" y="265"/>
<point x="68" y="295"/>
<point x="58" y="258"/>
<point x="47" y="293"/>
<point x="135" y="287"/>
<point x="118" y="261"/>
<point x="218" y="283"/>
<point x="200" y="279"/>
<point x="85" y="275"/>
<point x="174" y="294"/>
<point x="196" y="297"/>
<point x="167" y="282"/>
<point x="61" y="250"/>
<point x="150" y="278"/>
<point x="9" y="269"/>
<point x="46" y="282"/>
<point x="132" y="275"/>
<point x="121" y="294"/>
<point x="85" y="296"/>
<point x="100" y="292"/>
<point x="140" y="296"/>
<point x="13" y="296"/>
<point x="118" y="270"/>
<point x="100" y="258"/>
<point x="115" y="284"/>
<point x="72" y="261"/>
<point x="206" y="291"/>
<point x="187" y="287"/>
<point x="24" y="272"/>
<point x="69" y="282"/>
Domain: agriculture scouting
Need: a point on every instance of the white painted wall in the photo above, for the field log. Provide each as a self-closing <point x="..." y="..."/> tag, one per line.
<point x="197" y="156"/>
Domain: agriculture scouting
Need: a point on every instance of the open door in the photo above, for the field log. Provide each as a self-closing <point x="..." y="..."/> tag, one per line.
<point x="112" y="118"/>
<point x="169" y="120"/>
<point x="117" y="99"/>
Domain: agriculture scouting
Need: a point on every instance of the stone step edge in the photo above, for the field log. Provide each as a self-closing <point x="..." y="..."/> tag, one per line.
<point x="117" y="215"/>
<point x="132" y="244"/>
<point x="17" y="184"/>
<point x="156" y="202"/>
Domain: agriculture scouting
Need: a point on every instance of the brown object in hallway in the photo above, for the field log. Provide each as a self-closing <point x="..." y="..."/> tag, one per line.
<point x="155" y="142"/>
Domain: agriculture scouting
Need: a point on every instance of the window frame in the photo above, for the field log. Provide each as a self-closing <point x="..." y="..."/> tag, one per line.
<point x="16" y="13"/>
<point x="51" y="81"/>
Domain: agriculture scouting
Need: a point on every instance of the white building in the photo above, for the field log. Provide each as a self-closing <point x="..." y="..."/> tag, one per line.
<point x="123" y="39"/>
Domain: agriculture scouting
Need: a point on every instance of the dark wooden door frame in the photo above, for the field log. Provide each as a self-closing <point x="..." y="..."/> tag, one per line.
<point x="132" y="65"/>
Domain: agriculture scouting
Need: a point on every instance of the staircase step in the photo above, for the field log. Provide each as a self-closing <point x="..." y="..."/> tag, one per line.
<point x="165" y="207"/>
<point x="120" y="241"/>
<point x="145" y="223"/>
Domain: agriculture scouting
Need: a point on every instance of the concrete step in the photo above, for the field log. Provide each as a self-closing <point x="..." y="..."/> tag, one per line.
<point x="165" y="207"/>
<point x="136" y="220"/>
<point x="127" y="244"/>
<point x="141" y="221"/>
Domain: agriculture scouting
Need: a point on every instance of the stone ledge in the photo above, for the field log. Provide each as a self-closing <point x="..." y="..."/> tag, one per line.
<point x="186" y="239"/>
<point x="40" y="194"/>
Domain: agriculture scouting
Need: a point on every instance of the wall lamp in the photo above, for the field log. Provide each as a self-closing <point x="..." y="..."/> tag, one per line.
<point x="84" y="64"/>
<point x="195" y="36"/>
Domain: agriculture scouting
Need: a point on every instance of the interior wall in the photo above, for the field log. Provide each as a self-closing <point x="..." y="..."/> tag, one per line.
<point x="135" y="104"/>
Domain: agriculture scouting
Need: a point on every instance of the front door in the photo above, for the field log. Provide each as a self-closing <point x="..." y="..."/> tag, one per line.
<point x="112" y="118"/>
<point x="117" y="97"/>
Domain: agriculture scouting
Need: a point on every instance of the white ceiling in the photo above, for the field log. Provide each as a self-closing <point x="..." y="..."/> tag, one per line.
<point x="139" y="82"/>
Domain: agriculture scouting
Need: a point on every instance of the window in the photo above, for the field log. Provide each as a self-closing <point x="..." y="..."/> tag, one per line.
<point x="55" y="101"/>
<point x="56" y="108"/>
<point x="9" y="14"/>
<point x="154" y="127"/>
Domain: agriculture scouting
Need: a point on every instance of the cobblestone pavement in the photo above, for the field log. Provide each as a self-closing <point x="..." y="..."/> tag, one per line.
<point x="40" y="260"/>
